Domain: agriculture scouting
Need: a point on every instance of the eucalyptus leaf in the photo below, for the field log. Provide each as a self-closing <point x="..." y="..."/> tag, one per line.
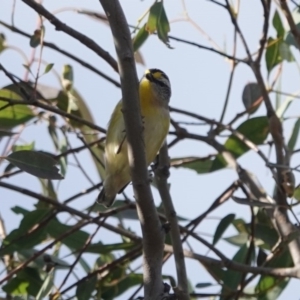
<point x="13" y="115"/>
<point x="35" y="163"/>
<point x="222" y="226"/>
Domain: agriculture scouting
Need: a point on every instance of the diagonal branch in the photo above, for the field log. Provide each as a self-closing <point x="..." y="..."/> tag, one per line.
<point x="62" y="207"/>
<point x="288" y="15"/>
<point x="89" y="43"/>
<point x="66" y="53"/>
<point x="161" y="177"/>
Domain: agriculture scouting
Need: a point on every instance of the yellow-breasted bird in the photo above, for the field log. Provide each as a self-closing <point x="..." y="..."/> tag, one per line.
<point x="155" y="93"/>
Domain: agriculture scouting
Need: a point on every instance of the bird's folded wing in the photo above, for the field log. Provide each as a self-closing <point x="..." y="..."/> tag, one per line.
<point x="116" y="135"/>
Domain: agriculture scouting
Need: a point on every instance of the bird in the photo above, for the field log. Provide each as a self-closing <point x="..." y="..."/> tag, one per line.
<point x="154" y="94"/>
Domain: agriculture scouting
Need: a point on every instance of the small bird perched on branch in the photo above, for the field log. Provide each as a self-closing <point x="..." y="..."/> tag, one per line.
<point x="155" y="93"/>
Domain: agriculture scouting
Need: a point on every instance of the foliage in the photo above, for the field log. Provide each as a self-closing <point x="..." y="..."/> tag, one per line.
<point x="56" y="249"/>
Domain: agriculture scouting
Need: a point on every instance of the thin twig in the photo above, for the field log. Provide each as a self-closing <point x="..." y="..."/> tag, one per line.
<point x="60" y="26"/>
<point x="161" y="178"/>
<point x="66" y="53"/>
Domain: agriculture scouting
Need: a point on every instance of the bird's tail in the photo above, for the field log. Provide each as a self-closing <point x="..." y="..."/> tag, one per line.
<point x="105" y="199"/>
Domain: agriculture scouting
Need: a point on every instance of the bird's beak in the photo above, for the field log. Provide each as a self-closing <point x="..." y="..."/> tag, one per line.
<point x="148" y="75"/>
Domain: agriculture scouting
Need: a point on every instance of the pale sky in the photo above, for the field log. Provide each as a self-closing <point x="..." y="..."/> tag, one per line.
<point x="199" y="81"/>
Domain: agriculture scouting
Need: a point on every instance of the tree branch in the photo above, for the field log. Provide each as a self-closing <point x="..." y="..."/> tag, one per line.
<point x="266" y="8"/>
<point x="284" y="225"/>
<point x="73" y="211"/>
<point x="161" y="178"/>
<point x="66" y="53"/>
<point x="293" y="272"/>
<point x="89" y="43"/>
<point x="153" y="237"/>
<point x="290" y="20"/>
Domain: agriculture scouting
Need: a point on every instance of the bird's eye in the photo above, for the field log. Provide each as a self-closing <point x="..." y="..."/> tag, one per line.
<point x="149" y="76"/>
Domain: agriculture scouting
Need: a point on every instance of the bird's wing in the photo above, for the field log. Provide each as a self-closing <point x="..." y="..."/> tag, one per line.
<point x="116" y="134"/>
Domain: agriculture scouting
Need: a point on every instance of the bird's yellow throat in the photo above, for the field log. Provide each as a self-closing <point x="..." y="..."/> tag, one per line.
<point x="149" y="103"/>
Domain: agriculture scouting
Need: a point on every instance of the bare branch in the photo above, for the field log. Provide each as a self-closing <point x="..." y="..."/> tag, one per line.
<point x="161" y="178"/>
<point x="266" y="8"/>
<point x="232" y="265"/>
<point x="66" y="53"/>
<point x="153" y="237"/>
<point x="34" y="102"/>
<point x="72" y="211"/>
<point x="89" y="43"/>
<point x="235" y="59"/>
<point x="284" y="225"/>
<point x="295" y="32"/>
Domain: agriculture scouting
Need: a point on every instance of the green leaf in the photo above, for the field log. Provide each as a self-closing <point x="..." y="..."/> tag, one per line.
<point x="121" y="285"/>
<point x="2" y="42"/>
<point x="163" y="27"/>
<point x="27" y="281"/>
<point x="67" y="77"/>
<point x="35" y="163"/>
<point x="297" y="193"/>
<point x="240" y="225"/>
<point x="30" y="146"/>
<point x="48" y="191"/>
<point x="255" y="129"/>
<point x="48" y="68"/>
<point x="13" y="115"/>
<point x="85" y="266"/>
<point x="238" y="240"/>
<point x="286" y="52"/>
<point x="231" y="278"/>
<point x="16" y="286"/>
<point x="293" y="139"/>
<point x="47" y="286"/>
<point x="278" y="25"/>
<point x="222" y="226"/>
<point x="85" y="289"/>
<point x="202" y="285"/>
<point x="20" y="210"/>
<point x="140" y="38"/>
<point x="154" y="14"/>
<point x="261" y="257"/>
<point x="35" y="38"/>
<point x="63" y="147"/>
<point x="53" y="132"/>
<point x="289" y="39"/>
<point x="285" y="105"/>
<point x="200" y="165"/>
<point x="267" y="234"/>
<point x="157" y="21"/>
<point x="216" y="272"/>
<point x="129" y="213"/>
<point x="273" y="56"/>
<point x="270" y="288"/>
<point x="98" y="149"/>
<point x="16" y="148"/>
<point x="42" y="260"/>
<point x="20" y="238"/>
<point x="28" y="86"/>
<point x="75" y="240"/>
<point x="252" y="97"/>
<point x="82" y="111"/>
<point x="99" y="248"/>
